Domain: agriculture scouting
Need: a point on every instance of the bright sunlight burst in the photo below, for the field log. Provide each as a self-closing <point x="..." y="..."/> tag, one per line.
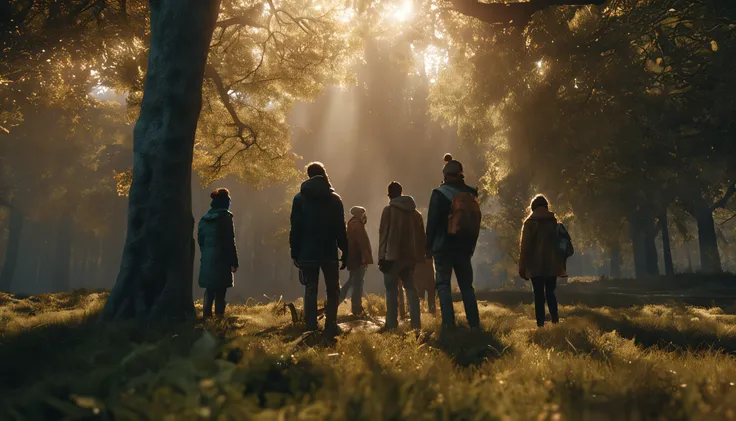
<point x="402" y="12"/>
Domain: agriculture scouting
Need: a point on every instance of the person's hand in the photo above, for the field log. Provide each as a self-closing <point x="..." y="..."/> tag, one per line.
<point x="384" y="265"/>
<point x="234" y="269"/>
<point x="522" y="275"/>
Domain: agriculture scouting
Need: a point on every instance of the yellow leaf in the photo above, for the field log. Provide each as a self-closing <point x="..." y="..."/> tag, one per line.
<point x="714" y="45"/>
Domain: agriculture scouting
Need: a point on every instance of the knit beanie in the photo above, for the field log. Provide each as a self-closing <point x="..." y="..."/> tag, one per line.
<point x="357" y="211"/>
<point x="452" y="167"/>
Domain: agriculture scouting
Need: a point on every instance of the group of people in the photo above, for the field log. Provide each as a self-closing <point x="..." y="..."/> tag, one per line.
<point x="412" y="259"/>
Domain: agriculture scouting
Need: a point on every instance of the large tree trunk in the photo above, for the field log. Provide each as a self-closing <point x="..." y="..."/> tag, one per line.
<point x="710" y="259"/>
<point x="11" y="250"/>
<point x="62" y="254"/>
<point x="669" y="267"/>
<point x="155" y="279"/>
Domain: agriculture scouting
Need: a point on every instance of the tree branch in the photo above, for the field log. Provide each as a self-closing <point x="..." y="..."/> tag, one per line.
<point x="248" y="18"/>
<point x="516" y="14"/>
<point x="252" y="136"/>
<point x="721" y="203"/>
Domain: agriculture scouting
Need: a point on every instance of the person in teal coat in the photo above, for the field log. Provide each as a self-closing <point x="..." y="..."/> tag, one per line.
<point x="219" y="255"/>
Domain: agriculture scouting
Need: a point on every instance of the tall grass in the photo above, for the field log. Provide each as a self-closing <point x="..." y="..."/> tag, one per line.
<point x="663" y="362"/>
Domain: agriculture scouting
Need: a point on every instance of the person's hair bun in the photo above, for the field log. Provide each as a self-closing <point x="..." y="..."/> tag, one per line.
<point x="213" y="194"/>
<point x="448" y="157"/>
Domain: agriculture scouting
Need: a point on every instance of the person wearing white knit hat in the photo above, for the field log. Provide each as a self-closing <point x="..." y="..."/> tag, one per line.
<point x="359" y="258"/>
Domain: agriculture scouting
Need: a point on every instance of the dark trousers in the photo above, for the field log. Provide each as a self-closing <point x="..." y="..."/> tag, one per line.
<point x="216" y="295"/>
<point x="401" y="273"/>
<point x="444" y="265"/>
<point x="331" y="273"/>
<point x="544" y="287"/>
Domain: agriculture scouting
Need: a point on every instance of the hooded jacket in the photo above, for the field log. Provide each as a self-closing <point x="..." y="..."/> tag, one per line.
<point x="317" y="224"/>
<point x="216" y="238"/>
<point x="359" y="244"/>
<point x="401" y="232"/>
<point x="538" y="256"/>
<point x="439" y="242"/>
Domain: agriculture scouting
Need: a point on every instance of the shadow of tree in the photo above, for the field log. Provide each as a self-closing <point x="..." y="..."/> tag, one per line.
<point x="665" y="336"/>
<point x="470" y="347"/>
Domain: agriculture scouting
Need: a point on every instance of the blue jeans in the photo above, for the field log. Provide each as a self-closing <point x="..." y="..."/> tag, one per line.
<point x="444" y="265"/>
<point x="404" y="272"/>
<point x="355" y="282"/>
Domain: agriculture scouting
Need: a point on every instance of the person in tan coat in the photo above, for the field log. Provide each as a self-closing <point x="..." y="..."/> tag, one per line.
<point x="401" y="247"/>
<point x="358" y="260"/>
<point x="425" y="283"/>
<point x="539" y="260"/>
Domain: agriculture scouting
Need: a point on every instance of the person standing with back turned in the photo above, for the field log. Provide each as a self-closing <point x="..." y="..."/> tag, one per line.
<point x="539" y="259"/>
<point x="360" y="257"/>
<point x="219" y="256"/>
<point x="401" y="234"/>
<point x="317" y="231"/>
<point x="453" y="226"/>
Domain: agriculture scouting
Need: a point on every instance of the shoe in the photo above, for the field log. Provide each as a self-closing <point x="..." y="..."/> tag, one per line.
<point x="333" y="330"/>
<point x="386" y="329"/>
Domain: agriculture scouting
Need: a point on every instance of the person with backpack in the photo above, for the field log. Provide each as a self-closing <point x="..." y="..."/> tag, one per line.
<point x="545" y="246"/>
<point x="401" y="235"/>
<point x="219" y="255"/>
<point x="453" y="227"/>
<point x="360" y="257"/>
<point x="317" y="231"/>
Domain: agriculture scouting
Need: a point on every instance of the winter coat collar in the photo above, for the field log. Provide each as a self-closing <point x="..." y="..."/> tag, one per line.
<point x="317" y="186"/>
<point x="214" y="213"/>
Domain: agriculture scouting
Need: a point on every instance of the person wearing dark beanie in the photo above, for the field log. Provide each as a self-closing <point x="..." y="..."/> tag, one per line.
<point x="219" y="255"/>
<point x="451" y="202"/>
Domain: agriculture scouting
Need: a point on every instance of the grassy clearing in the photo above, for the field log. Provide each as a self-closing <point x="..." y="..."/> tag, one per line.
<point x="652" y="362"/>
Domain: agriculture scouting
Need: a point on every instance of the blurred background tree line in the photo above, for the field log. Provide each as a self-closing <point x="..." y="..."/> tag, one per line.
<point x="622" y="113"/>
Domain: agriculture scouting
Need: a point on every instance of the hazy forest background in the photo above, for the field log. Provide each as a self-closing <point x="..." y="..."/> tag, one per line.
<point x="621" y="113"/>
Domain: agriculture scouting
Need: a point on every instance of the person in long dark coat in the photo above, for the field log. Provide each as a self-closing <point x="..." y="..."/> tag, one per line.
<point x="219" y="255"/>
<point x="317" y="232"/>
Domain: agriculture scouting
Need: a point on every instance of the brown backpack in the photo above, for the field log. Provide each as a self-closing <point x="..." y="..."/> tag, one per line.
<point x="465" y="216"/>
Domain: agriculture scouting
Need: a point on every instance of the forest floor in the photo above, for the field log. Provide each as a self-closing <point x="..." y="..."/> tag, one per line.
<point x="642" y="361"/>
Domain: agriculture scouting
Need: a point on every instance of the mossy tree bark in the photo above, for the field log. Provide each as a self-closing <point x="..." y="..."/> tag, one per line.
<point x="155" y="279"/>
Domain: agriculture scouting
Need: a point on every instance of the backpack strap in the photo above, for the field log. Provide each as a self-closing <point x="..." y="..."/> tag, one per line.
<point x="448" y="191"/>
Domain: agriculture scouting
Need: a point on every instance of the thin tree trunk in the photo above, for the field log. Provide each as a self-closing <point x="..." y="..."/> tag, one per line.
<point x="156" y="272"/>
<point x="62" y="254"/>
<point x="615" y="262"/>
<point x="710" y="259"/>
<point x="12" y="249"/>
<point x="669" y="267"/>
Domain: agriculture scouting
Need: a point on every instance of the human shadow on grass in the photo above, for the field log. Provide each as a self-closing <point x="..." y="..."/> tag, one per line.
<point x="665" y="337"/>
<point x="469" y="347"/>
